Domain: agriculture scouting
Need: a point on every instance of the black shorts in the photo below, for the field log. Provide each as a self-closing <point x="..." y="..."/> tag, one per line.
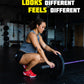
<point x="18" y="55"/>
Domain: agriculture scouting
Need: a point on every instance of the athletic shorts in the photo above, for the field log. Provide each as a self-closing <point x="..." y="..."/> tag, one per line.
<point x="18" y="55"/>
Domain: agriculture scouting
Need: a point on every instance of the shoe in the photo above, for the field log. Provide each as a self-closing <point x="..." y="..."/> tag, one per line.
<point x="24" y="66"/>
<point x="29" y="74"/>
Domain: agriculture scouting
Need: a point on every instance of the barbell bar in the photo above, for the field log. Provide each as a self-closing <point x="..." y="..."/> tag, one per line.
<point x="66" y="63"/>
<point x="59" y="66"/>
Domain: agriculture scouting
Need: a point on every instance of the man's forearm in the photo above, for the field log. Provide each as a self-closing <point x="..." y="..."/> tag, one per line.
<point x="41" y="52"/>
<point x="47" y="48"/>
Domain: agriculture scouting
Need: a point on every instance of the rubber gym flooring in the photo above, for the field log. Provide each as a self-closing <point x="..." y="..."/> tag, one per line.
<point x="11" y="72"/>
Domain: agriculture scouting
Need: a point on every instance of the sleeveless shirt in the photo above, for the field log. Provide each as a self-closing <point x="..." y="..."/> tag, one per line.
<point x="28" y="47"/>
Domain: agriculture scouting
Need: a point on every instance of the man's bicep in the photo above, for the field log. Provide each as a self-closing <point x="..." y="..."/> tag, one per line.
<point x="43" y="44"/>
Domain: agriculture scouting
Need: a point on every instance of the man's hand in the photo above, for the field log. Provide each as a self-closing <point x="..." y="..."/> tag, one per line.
<point x="51" y="64"/>
<point x="56" y="52"/>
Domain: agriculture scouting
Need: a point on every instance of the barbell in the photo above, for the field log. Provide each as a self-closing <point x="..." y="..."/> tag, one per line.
<point x="58" y="71"/>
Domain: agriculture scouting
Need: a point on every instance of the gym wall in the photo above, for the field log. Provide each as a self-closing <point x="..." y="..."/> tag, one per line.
<point x="50" y="35"/>
<point x="15" y="33"/>
<point x="79" y="35"/>
<point x="1" y="35"/>
<point x="60" y="36"/>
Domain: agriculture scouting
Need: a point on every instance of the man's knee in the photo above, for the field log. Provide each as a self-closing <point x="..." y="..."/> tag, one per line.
<point x="42" y="60"/>
<point x="37" y="57"/>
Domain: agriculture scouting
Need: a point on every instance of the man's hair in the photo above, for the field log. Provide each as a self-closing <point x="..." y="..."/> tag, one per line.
<point x="34" y="23"/>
